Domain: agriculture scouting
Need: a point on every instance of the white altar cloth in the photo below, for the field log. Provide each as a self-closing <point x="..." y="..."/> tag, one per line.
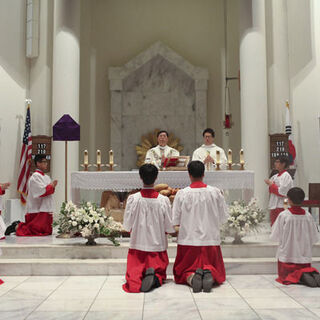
<point x="130" y="180"/>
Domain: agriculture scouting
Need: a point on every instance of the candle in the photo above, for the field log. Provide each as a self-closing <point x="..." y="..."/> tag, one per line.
<point x="85" y="158"/>
<point x="218" y="156"/>
<point x="241" y="157"/>
<point x="110" y="157"/>
<point x="98" y="157"/>
<point x="229" y="156"/>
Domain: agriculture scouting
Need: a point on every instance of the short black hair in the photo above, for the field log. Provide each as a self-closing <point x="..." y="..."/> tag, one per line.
<point x="296" y="195"/>
<point x="148" y="173"/>
<point x="283" y="159"/>
<point x="196" y="169"/>
<point x="208" y="130"/>
<point x="163" y="131"/>
<point x="39" y="158"/>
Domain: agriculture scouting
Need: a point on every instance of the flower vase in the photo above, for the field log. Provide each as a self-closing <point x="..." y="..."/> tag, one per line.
<point x="237" y="239"/>
<point x="91" y="241"/>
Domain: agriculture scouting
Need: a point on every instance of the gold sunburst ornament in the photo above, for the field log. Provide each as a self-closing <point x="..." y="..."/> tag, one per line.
<point x="149" y="141"/>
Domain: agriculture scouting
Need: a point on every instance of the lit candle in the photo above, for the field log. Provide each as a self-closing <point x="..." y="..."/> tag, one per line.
<point x="110" y="157"/>
<point x="229" y="156"/>
<point x="98" y="157"/>
<point x="86" y="158"/>
<point x="218" y="156"/>
<point x="241" y="157"/>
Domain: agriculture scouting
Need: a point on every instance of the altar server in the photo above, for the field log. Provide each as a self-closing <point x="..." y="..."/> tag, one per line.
<point x="158" y="154"/>
<point x="198" y="212"/>
<point x="279" y="184"/>
<point x="207" y="153"/>
<point x="296" y="232"/>
<point x="148" y="218"/>
<point x="40" y="204"/>
<point x="3" y="187"/>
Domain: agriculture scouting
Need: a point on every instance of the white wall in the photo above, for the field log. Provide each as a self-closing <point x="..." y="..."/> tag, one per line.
<point x="304" y="65"/>
<point x="14" y="76"/>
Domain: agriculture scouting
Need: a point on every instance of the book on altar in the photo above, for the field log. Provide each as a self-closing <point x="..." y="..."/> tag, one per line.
<point x="176" y="163"/>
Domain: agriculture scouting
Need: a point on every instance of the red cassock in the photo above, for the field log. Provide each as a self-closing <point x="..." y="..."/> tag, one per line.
<point x="290" y="273"/>
<point x="148" y="217"/>
<point x="190" y="258"/>
<point x="138" y="262"/>
<point x="38" y="220"/>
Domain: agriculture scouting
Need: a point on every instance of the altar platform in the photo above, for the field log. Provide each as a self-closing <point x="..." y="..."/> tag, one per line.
<point x="25" y="256"/>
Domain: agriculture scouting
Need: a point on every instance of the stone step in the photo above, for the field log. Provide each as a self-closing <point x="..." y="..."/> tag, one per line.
<point x="105" y="251"/>
<point x="61" y="267"/>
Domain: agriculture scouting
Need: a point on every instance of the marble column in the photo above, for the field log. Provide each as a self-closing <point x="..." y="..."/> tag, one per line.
<point x="65" y="86"/>
<point x="254" y="107"/>
<point x="278" y="63"/>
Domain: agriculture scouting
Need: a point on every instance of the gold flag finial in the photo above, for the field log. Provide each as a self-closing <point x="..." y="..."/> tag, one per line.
<point x="287" y="104"/>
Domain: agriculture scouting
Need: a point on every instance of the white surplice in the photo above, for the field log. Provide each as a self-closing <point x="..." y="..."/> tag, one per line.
<point x="199" y="212"/>
<point x="296" y="234"/>
<point x="284" y="183"/>
<point x="37" y="185"/>
<point x="148" y="220"/>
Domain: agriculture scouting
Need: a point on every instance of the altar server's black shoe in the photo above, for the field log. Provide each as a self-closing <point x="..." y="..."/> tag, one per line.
<point x="11" y="228"/>
<point x="148" y="281"/>
<point x="316" y="276"/>
<point x="207" y="281"/>
<point x="196" y="281"/>
<point x="308" y="280"/>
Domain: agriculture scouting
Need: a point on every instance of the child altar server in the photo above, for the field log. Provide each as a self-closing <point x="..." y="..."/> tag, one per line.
<point x="39" y="203"/>
<point x="3" y="187"/>
<point x="199" y="211"/>
<point x="148" y="218"/>
<point x="296" y="232"/>
<point x="279" y="184"/>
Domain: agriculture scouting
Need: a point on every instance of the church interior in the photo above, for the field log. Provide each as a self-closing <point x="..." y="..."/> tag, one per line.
<point x="94" y="88"/>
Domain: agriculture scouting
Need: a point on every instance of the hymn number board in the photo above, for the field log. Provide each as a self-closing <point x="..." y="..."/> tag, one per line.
<point x="41" y="145"/>
<point x="279" y="146"/>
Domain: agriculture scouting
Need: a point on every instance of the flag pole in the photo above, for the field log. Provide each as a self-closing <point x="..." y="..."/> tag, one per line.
<point x="66" y="172"/>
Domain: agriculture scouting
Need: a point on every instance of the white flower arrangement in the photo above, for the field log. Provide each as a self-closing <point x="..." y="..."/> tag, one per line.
<point x="89" y="220"/>
<point x="244" y="218"/>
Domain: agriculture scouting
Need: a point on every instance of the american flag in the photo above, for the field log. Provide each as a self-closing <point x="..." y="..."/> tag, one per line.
<point x="25" y="159"/>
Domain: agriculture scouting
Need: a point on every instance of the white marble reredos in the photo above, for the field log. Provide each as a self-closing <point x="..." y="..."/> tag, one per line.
<point x="156" y="89"/>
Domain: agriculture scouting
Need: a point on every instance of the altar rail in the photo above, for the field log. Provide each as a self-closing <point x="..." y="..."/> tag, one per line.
<point x="130" y="180"/>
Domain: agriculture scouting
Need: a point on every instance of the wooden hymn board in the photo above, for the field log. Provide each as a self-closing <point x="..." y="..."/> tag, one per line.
<point x="41" y="145"/>
<point x="279" y="146"/>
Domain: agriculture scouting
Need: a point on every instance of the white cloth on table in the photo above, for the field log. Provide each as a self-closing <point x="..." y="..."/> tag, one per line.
<point x="202" y="152"/>
<point x="296" y="234"/>
<point x="284" y="183"/>
<point x="154" y="155"/>
<point x="36" y="188"/>
<point x="148" y="220"/>
<point x="200" y="212"/>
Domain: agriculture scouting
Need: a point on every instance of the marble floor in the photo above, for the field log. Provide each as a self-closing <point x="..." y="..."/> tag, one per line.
<point x="101" y="297"/>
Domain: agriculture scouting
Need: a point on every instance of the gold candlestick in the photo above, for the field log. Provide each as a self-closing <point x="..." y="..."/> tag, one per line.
<point x="98" y="164"/>
<point x="85" y="164"/>
<point x="218" y="160"/>
<point x="241" y="160"/>
<point x="229" y="159"/>
<point x="111" y="163"/>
